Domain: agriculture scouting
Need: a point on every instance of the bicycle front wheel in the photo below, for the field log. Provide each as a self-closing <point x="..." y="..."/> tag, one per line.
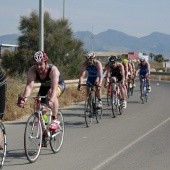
<point x="33" y="137"/>
<point x="108" y="96"/>
<point x="3" y="145"/>
<point x="114" y="105"/>
<point x="88" y="111"/>
<point x="57" y="137"/>
<point x="98" y="114"/>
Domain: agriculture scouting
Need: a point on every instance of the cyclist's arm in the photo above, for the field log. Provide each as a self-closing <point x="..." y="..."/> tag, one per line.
<point x="82" y="73"/>
<point x="148" y="65"/>
<point x="29" y="86"/>
<point x="137" y="69"/>
<point x="108" y="75"/>
<point x="30" y="82"/>
<point x="126" y="71"/>
<point x="122" y="72"/>
<point x="99" y="69"/>
<point x="54" y="76"/>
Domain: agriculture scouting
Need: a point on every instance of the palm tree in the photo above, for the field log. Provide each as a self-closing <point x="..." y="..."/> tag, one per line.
<point x="151" y="55"/>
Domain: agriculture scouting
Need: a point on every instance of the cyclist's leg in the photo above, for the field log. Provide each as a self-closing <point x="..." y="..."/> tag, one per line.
<point x="148" y="83"/>
<point x="98" y="93"/>
<point x="141" y="74"/>
<point x="60" y="90"/>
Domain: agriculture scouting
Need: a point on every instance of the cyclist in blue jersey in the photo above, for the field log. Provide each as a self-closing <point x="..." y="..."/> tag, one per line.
<point x="144" y="70"/>
<point x="95" y="75"/>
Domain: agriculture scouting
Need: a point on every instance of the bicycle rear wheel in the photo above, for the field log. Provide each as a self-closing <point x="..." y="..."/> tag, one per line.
<point x="114" y="104"/>
<point x="88" y="111"/>
<point x="33" y="138"/>
<point x="57" y="139"/>
<point x="120" y="107"/>
<point x="128" y="92"/>
<point x="3" y="145"/>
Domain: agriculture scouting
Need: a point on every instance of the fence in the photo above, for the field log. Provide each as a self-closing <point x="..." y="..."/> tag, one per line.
<point x="164" y="76"/>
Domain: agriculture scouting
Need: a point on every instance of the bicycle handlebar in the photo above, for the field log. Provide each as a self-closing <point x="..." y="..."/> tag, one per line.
<point x="90" y="85"/>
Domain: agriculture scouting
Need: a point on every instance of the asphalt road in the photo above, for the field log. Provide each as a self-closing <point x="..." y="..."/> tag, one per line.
<point x="137" y="140"/>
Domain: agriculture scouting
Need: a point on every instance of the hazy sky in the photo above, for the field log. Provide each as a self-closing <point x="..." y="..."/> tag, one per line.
<point x="133" y="17"/>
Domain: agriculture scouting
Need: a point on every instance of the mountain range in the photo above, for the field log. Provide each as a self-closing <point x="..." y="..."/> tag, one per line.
<point x="115" y="41"/>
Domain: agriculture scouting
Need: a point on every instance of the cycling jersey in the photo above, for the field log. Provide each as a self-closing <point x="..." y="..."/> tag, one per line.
<point x="2" y="93"/>
<point x="46" y="84"/>
<point x="2" y="78"/>
<point x="116" y="72"/>
<point x="92" y="70"/>
<point x="143" y="69"/>
<point x="92" y="73"/>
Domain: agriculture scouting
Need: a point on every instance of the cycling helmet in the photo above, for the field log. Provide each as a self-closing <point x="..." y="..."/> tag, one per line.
<point x="125" y="60"/>
<point x="119" y="59"/>
<point x="40" y="56"/>
<point x="89" y="55"/>
<point x="112" y="59"/>
<point x="108" y="58"/>
<point x="142" y="59"/>
<point x="129" y="60"/>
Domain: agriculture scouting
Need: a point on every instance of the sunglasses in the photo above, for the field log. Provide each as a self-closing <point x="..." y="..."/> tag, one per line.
<point x="89" y="59"/>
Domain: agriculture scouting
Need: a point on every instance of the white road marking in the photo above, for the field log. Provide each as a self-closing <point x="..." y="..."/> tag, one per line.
<point x="128" y="146"/>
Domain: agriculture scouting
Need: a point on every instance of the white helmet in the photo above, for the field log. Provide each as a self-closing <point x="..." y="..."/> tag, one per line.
<point x="142" y="58"/>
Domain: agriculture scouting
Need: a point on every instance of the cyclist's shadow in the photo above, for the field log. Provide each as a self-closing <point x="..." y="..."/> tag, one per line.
<point x="12" y="155"/>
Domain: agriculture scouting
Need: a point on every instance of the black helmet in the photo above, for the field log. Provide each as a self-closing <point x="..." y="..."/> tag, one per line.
<point x="112" y="59"/>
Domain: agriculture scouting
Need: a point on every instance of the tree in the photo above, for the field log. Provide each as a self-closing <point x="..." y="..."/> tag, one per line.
<point x="159" y="58"/>
<point x="62" y="48"/>
<point x="151" y="55"/>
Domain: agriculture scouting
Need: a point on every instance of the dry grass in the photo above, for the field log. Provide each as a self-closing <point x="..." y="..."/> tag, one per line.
<point x="70" y="96"/>
<point x="15" y="87"/>
<point x="155" y="65"/>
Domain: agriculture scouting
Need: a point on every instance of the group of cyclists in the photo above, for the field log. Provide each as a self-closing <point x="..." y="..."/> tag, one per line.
<point x="52" y="84"/>
<point x="117" y="69"/>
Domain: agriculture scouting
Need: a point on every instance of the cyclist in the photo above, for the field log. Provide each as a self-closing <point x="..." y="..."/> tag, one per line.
<point x="2" y="93"/>
<point x="115" y="71"/>
<point x="95" y="75"/>
<point x="133" y="72"/>
<point x="125" y="64"/>
<point x="2" y="97"/>
<point x="52" y="84"/>
<point x="144" y="70"/>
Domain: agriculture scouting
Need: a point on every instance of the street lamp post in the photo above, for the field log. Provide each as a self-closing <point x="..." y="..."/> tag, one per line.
<point x="63" y="9"/>
<point x="41" y="25"/>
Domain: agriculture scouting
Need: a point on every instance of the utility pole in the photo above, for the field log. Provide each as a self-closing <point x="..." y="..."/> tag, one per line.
<point x="41" y="25"/>
<point x="63" y="9"/>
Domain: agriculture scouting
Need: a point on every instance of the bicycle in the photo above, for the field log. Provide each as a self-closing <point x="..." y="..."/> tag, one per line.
<point x="90" y="108"/>
<point x="3" y="145"/>
<point x="130" y="87"/>
<point x="37" y="130"/>
<point x="116" y="100"/>
<point x="145" y="93"/>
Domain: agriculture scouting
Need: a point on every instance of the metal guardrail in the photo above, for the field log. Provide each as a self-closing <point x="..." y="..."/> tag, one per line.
<point x="160" y="73"/>
<point x="160" y="76"/>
